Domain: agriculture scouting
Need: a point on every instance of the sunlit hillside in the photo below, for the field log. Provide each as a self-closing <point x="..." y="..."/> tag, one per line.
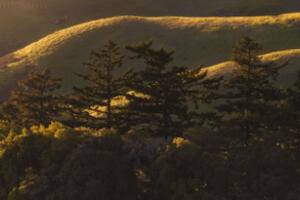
<point x="275" y="32"/>
<point x="149" y="99"/>
<point x="287" y="75"/>
<point x="197" y="40"/>
<point x="24" y="21"/>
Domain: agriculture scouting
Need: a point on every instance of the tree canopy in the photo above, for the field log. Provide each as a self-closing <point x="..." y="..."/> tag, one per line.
<point x="35" y="102"/>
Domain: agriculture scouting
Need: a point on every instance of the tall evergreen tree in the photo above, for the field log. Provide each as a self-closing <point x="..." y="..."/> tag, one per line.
<point x="295" y="102"/>
<point x="35" y="102"/>
<point x="169" y="91"/>
<point x="250" y="92"/>
<point x="287" y="116"/>
<point x="92" y="105"/>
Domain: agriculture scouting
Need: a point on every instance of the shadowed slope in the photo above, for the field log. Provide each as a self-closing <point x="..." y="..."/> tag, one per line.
<point x="287" y="75"/>
<point x="197" y="40"/>
<point x="127" y="28"/>
<point x="24" y="21"/>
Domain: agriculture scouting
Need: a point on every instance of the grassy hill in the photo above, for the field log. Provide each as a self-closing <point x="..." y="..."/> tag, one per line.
<point x="25" y="21"/>
<point x="287" y="75"/>
<point x="197" y="40"/>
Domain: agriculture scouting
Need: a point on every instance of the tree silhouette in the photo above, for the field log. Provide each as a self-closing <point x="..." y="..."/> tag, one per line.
<point x="169" y="91"/>
<point x="92" y="105"/>
<point x="35" y="102"/>
<point x="250" y="93"/>
<point x="295" y="102"/>
<point x="287" y="116"/>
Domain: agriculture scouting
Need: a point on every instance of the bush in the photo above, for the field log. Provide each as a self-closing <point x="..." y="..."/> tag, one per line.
<point x="187" y="171"/>
<point x="58" y="162"/>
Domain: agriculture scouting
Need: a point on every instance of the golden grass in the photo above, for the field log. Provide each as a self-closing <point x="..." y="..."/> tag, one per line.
<point x="227" y="67"/>
<point x="196" y="40"/>
<point x="279" y="55"/>
<point x="49" y="44"/>
<point x="119" y="101"/>
<point x="220" y="69"/>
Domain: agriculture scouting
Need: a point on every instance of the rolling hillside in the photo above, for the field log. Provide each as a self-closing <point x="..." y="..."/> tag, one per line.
<point x="25" y="21"/>
<point x="197" y="40"/>
<point x="287" y="75"/>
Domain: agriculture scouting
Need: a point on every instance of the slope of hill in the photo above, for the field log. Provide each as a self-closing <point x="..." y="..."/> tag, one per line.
<point x="287" y="75"/>
<point x="197" y="40"/>
<point x="24" y="21"/>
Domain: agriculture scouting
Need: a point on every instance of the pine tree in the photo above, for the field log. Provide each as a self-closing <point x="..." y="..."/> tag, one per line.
<point x="169" y="91"/>
<point x="35" y="102"/>
<point x="92" y="105"/>
<point x="295" y="102"/>
<point x="250" y="93"/>
<point x="287" y="117"/>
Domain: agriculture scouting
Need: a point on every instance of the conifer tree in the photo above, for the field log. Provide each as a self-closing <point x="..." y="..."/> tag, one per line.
<point x="169" y="91"/>
<point x="295" y="102"/>
<point x="250" y="92"/>
<point x="35" y="102"/>
<point x="295" y="125"/>
<point x="92" y="105"/>
<point x="287" y="118"/>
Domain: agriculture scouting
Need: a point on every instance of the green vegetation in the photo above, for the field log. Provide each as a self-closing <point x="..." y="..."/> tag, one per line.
<point x="168" y="92"/>
<point x="62" y="163"/>
<point x="36" y="103"/>
<point x="141" y="121"/>
<point x="250" y="92"/>
<point x="205" y="166"/>
<point x="179" y="160"/>
<point x="93" y="104"/>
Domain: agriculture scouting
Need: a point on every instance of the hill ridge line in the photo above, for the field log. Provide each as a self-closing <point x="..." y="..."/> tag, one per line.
<point x="229" y="66"/>
<point x="49" y="43"/>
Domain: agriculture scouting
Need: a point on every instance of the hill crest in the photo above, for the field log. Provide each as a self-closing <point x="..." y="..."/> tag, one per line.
<point x="48" y="44"/>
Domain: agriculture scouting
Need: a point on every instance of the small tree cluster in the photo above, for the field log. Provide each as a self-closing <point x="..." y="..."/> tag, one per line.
<point x="62" y="163"/>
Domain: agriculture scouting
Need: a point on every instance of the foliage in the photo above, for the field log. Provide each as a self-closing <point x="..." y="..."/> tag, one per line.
<point x="5" y="128"/>
<point x="93" y="171"/>
<point x="34" y="103"/>
<point x="188" y="171"/>
<point x="93" y="103"/>
<point x="169" y="91"/>
<point x="201" y="168"/>
<point x="183" y="160"/>
<point x="250" y="93"/>
<point x="60" y="162"/>
<point x="293" y="105"/>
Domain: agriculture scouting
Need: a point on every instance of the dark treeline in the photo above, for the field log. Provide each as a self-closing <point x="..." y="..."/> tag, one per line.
<point x="142" y="134"/>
